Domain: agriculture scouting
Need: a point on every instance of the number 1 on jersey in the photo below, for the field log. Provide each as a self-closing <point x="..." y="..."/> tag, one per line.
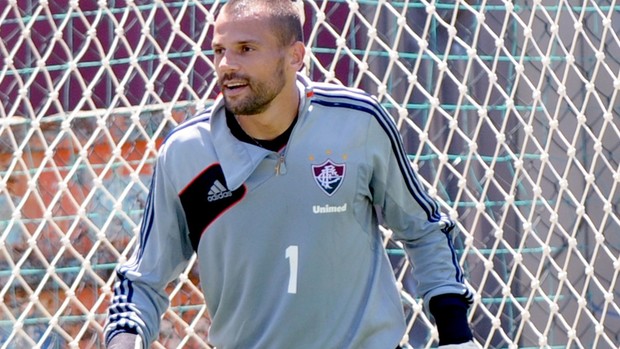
<point x="292" y="254"/>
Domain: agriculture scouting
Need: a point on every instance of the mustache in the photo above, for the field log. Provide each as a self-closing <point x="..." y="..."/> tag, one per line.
<point x="232" y="76"/>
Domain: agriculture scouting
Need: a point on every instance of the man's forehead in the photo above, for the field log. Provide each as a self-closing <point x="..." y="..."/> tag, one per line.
<point x="246" y="27"/>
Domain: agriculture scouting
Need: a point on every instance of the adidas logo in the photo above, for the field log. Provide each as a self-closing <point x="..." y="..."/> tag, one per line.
<point x="218" y="191"/>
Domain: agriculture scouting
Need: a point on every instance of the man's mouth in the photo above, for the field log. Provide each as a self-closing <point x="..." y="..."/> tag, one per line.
<point x="234" y="85"/>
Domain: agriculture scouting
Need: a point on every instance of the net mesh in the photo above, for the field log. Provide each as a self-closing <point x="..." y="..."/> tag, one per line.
<point x="508" y="109"/>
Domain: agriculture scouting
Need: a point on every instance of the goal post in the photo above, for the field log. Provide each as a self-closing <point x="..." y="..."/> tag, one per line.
<point x="509" y="111"/>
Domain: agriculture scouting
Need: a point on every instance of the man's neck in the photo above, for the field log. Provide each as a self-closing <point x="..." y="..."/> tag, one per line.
<point x="271" y="123"/>
<point x="274" y="144"/>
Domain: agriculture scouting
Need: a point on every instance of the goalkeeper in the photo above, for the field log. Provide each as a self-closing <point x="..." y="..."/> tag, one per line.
<point x="278" y="187"/>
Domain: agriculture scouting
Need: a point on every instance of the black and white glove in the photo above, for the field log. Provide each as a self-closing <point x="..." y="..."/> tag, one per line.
<point x="125" y="341"/>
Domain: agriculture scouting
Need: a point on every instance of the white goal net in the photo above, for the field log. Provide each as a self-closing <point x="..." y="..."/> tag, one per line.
<point x="509" y="111"/>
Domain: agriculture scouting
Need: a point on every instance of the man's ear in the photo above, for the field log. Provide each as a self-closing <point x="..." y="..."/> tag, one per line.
<point x="297" y="55"/>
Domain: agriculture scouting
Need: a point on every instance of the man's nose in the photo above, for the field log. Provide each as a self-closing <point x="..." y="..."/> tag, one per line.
<point x="227" y="63"/>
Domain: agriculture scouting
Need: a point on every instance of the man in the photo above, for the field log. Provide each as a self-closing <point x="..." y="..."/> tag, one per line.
<point x="275" y="188"/>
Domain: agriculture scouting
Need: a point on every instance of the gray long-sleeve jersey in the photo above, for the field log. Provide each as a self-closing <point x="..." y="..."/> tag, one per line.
<point x="290" y="253"/>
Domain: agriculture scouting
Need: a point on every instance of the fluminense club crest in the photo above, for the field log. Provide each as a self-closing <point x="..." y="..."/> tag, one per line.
<point x="328" y="176"/>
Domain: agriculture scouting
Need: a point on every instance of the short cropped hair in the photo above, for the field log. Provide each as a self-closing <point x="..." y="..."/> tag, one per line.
<point x="284" y="16"/>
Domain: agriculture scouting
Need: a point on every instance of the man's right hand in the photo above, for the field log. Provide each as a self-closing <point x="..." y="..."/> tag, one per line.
<point x="125" y="341"/>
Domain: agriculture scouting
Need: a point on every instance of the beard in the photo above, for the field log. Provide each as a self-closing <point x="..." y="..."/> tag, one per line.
<point x="261" y="92"/>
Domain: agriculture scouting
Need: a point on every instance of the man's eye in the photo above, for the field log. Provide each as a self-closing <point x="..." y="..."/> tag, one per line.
<point x="247" y="49"/>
